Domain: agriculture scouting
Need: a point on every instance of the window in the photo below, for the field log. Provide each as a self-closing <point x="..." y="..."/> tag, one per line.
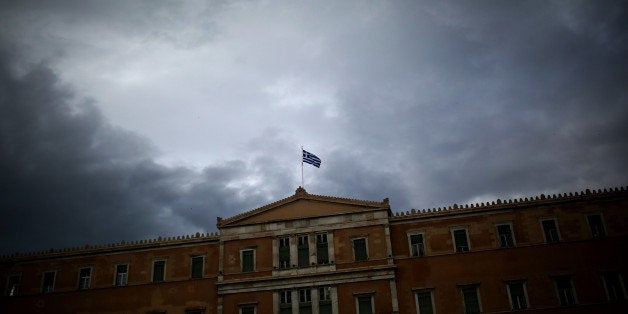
<point x="504" y="233"/>
<point x="195" y="311"/>
<point x="614" y="286"/>
<point x="13" y="285"/>
<point x="324" y="300"/>
<point x="284" y="252"/>
<point x="248" y="309"/>
<point x="461" y="242"/>
<point x="596" y="225"/>
<point x="564" y="288"/>
<point x="305" y="301"/>
<point x="364" y="304"/>
<point x="48" y="282"/>
<point x="122" y="274"/>
<point x="471" y="299"/>
<point x="360" y="252"/>
<point x="303" y="249"/>
<point x="424" y="302"/>
<point x="285" y="302"/>
<point x="248" y="260"/>
<point x="85" y="278"/>
<point x="417" y="248"/>
<point x="322" y="252"/>
<point x="517" y="295"/>
<point x="159" y="270"/>
<point x="550" y="230"/>
<point x="197" y="266"/>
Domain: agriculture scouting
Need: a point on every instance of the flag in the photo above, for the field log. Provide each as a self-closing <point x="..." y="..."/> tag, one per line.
<point x="311" y="159"/>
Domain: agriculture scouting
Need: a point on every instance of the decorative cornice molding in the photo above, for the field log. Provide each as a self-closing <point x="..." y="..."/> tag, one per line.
<point x="498" y="204"/>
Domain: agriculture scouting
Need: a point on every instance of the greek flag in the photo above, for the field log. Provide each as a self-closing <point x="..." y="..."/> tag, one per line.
<point x="311" y="159"/>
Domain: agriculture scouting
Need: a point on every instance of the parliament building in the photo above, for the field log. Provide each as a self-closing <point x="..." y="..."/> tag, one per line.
<point x="328" y="255"/>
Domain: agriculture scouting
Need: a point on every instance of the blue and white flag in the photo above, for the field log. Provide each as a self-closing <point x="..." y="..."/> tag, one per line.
<point x="311" y="159"/>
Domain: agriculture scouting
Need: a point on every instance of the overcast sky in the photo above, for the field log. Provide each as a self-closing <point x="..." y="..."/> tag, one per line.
<point x="127" y="120"/>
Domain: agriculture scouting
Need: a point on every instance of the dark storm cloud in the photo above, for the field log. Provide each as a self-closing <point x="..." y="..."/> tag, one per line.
<point x="70" y="178"/>
<point x="519" y="98"/>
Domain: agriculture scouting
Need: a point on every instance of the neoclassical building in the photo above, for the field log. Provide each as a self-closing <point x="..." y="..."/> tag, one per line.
<point x="320" y="254"/>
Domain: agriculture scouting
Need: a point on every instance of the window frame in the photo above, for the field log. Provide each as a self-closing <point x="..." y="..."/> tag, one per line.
<point x="163" y="274"/>
<point x="13" y="290"/>
<point x="512" y="234"/>
<point x="558" y="236"/>
<point x="409" y="235"/>
<point x="453" y="238"/>
<point x="358" y="296"/>
<point x="572" y="288"/>
<point x="43" y="281"/>
<point x="284" y="264"/>
<point x="476" y="288"/>
<point x="81" y="283"/>
<point x="253" y="306"/>
<point x="285" y="299"/>
<point x="242" y="269"/>
<point x="620" y="281"/>
<point x="366" y="248"/>
<point x="602" y="225"/>
<point x="116" y="273"/>
<point x="523" y="284"/>
<point x="416" y="299"/>
<point x="196" y="257"/>
<point x="301" y="248"/>
<point x="322" y="246"/>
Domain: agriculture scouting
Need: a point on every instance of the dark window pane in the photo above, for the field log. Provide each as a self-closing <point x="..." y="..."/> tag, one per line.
<point x="159" y="268"/>
<point x="517" y="296"/>
<point x="613" y="286"/>
<point x="565" y="290"/>
<point x="471" y="301"/>
<point x="248" y="262"/>
<point x="550" y="230"/>
<point x="13" y="285"/>
<point x="425" y="302"/>
<point x="248" y="310"/>
<point x="460" y="238"/>
<point x="49" y="282"/>
<point x="416" y="245"/>
<point x="197" y="267"/>
<point x="304" y="251"/>
<point x="505" y="236"/>
<point x="359" y="247"/>
<point x="596" y="225"/>
<point x="364" y="305"/>
<point x="284" y="252"/>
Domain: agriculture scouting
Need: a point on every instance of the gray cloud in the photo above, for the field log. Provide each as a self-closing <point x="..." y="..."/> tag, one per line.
<point x="198" y="110"/>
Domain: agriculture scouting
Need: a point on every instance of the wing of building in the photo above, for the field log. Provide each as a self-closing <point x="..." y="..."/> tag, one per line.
<point x="320" y="254"/>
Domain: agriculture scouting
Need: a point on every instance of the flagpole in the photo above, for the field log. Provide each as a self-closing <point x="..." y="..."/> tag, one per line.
<point x="302" y="184"/>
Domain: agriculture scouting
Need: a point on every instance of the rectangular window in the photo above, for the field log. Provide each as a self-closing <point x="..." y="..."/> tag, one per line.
<point x="517" y="295"/>
<point x="305" y="301"/>
<point x="303" y="249"/>
<point x="324" y="300"/>
<point x="565" y="290"/>
<point x="614" y="286"/>
<point x="85" y="278"/>
<point x="424" y="302"/>
<point x="471" y="299"/>
<point x="13" y="285"/>
<point x="504" y="232"/>
<point x="285" y="302"/>
<point x="48" y="282"/>
<point x="461" y="242"/>
<point x="322" y="252"/>
<point x="364" y="304"/>
<point x="159" y="270"/>
<point x="247" y="309"/>
<point x="197" y="266"/>
<point x="122" y="274"/>
<point x="248" y="260"/>
<point x="360" y="252"/>
<point x="550" y="230"/>
<point x="596" y="225"/>
<point x="417" y="248"/>
<point x="195" y="311"/>
<point x="284" y="252"/>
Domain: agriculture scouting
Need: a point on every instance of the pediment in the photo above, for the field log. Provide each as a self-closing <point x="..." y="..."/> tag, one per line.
<point x="303" y="205"/>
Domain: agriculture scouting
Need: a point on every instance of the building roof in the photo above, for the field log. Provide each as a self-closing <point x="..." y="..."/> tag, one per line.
<point x="303" y="205"/>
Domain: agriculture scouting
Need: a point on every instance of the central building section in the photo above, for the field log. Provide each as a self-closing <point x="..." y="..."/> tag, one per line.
<point x="307" y="254"/>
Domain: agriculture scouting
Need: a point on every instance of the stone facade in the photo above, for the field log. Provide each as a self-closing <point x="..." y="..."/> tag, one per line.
<point x="319" y="254"/>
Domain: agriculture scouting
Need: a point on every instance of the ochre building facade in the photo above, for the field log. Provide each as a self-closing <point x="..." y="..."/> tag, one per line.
<point x="319" y="254"/>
